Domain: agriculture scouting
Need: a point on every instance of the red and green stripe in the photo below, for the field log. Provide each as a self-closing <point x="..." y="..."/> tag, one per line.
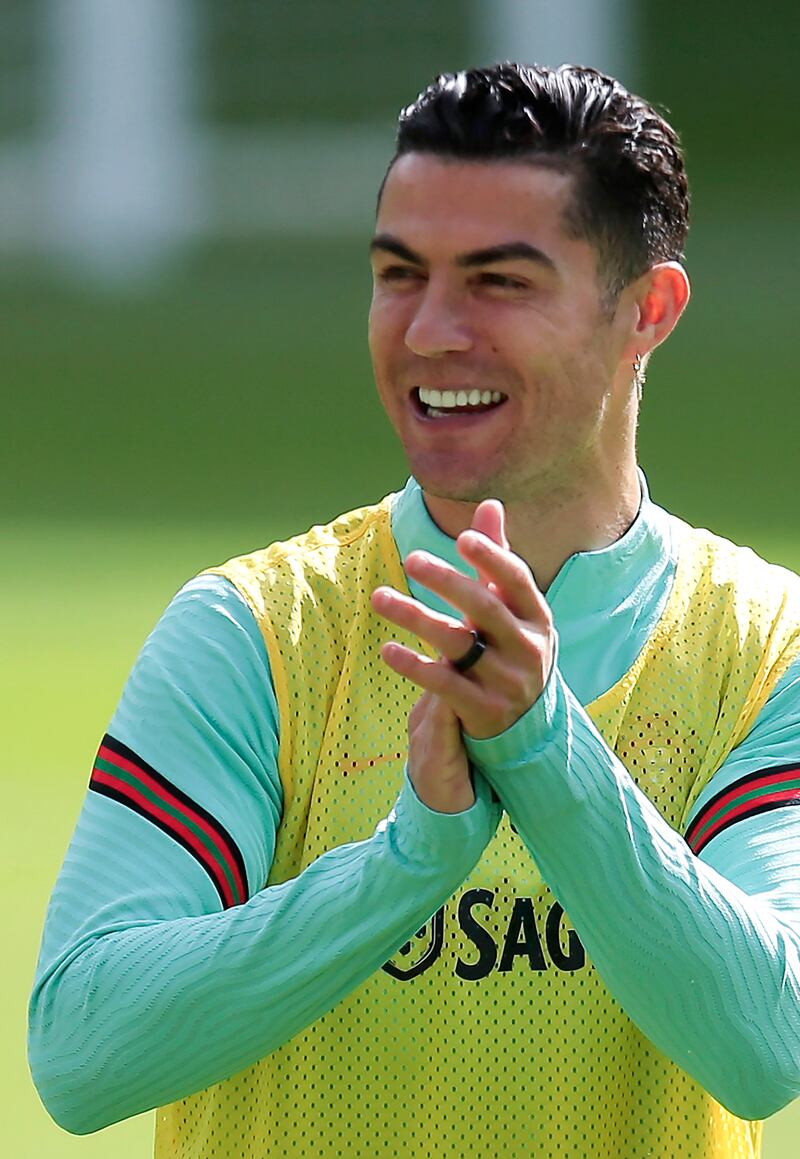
<point x="123" y="776"/>
<point x="755" y="793"/>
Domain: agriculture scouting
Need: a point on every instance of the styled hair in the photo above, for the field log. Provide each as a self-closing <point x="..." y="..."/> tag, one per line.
<point x="631" y="193"/>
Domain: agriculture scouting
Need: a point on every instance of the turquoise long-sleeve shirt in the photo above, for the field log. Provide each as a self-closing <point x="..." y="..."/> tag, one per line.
<point x="137" y="945"/>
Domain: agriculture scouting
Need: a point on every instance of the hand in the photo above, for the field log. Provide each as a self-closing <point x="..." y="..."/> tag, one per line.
<point x="437" y="761"/>
<point x="503" y="604"/>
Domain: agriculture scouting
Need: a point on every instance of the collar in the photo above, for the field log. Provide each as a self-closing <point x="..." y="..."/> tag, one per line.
<point x="605" y="603"/>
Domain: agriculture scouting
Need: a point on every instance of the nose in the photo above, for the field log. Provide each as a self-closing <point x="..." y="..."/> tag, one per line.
<point x="439" y="325"/>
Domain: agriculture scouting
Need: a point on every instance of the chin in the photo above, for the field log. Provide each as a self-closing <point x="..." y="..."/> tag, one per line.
<point x="458" y="480"/>
<point x="531" y="487"/>
<point x="471" y="491"/>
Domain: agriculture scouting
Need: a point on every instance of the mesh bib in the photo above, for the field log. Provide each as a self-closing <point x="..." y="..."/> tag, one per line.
<point x="490" y="1033"/>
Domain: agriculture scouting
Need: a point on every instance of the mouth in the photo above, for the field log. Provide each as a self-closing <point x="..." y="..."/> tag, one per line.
<point x="444" y="404"/>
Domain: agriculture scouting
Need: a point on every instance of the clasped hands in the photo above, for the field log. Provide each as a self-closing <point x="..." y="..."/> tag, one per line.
<point x="509" y="612"/>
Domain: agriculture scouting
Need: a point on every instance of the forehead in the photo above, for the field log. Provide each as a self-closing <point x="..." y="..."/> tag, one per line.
<point x="460" y="205"/>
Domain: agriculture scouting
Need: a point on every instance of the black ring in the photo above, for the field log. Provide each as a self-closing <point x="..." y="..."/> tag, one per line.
<point x="472" y="655"/>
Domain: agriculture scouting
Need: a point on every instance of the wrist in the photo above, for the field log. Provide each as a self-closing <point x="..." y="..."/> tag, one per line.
<point x="428" y="833"/>
<point x="522" y="741"/>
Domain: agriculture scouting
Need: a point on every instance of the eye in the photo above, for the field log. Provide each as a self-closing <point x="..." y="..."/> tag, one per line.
<point x="398" y="274"/>
<point x="502" y="281"/>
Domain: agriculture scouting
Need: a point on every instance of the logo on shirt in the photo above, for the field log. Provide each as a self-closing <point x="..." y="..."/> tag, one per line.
<point x="522" y="944"/>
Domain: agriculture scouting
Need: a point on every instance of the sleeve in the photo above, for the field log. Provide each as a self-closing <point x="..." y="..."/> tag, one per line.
<point x="744" y="823"/>
<point x="158" y="923"/>
<point x="718" y="934"/>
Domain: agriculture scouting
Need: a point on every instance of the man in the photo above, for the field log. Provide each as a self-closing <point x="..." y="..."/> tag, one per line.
<point x="407" y="980"/>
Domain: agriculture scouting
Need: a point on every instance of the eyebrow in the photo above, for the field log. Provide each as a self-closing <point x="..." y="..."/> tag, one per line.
<point x="506" y="252"/>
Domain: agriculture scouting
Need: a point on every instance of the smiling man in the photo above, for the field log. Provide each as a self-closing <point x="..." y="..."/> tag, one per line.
<point x="463" y="825"/>
<point x="512" y="305"/>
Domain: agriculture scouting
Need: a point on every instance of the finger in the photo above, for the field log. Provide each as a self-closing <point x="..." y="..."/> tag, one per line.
<point x="497" y="608"/>
<point x="465" y="698"/>
<point x="420" y="710"/>
<point x="481" y="607"/>
<point x="507" y="573"/>
<point x="490" y="519"/>
<point x="444" y="633"/>
<point x="447" y="636"/>
<point x="431" y="709"/>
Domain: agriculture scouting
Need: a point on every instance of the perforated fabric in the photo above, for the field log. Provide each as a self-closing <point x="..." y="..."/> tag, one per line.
<point x="490" y="1033"/>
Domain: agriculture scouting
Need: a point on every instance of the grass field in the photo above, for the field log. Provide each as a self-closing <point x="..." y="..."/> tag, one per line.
<point x="76" y="605"/>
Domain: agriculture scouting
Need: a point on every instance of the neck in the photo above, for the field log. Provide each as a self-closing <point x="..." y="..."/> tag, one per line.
<point x="545" y="532"/>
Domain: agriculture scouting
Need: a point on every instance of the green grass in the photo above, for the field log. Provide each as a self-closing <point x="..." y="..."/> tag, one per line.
<point x="77" y="601"/>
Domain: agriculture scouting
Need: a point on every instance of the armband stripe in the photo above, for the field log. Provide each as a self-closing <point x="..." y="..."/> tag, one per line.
<point x="755" y="793"/>
<point x="123" y="776"/>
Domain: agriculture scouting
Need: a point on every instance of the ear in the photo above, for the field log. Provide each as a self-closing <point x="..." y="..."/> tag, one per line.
<point x="661" y="296"/>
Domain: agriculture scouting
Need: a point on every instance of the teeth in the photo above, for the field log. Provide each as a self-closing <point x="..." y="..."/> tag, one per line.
<point x="444" y="399"/>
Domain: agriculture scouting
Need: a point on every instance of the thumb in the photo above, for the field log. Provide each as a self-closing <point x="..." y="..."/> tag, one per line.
<point x="490" y="519"/>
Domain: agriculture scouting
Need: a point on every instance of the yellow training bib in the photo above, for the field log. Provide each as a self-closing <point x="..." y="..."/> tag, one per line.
<point x="490" y="1033"/>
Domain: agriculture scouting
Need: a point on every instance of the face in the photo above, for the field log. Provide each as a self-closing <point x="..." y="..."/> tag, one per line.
<point x="482" y="299"/>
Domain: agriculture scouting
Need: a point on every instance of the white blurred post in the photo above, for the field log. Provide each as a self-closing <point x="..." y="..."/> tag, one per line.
<point x="600" y="33"/>
<point x="122" y="190"/>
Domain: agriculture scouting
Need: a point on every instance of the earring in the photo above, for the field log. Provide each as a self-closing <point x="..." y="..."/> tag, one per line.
<point x="638" y="375"/>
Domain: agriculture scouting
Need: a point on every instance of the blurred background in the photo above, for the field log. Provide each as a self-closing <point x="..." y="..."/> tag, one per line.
<point x="186" y="200"/>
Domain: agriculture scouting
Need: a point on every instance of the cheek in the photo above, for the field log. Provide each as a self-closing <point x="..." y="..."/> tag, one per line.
<point x="385" y="329"/>
<point x="581" y="356"/>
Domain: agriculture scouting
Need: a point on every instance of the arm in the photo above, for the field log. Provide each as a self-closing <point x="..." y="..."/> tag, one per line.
<point x="709" y="965"/>
<point x="139" y="951"/>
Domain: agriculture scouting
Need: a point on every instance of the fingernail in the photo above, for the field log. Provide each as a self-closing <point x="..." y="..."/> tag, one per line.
<point x="420" y="556"/>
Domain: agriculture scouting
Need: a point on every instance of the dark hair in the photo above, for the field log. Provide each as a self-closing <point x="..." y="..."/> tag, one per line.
<point x="631" y="194"/>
